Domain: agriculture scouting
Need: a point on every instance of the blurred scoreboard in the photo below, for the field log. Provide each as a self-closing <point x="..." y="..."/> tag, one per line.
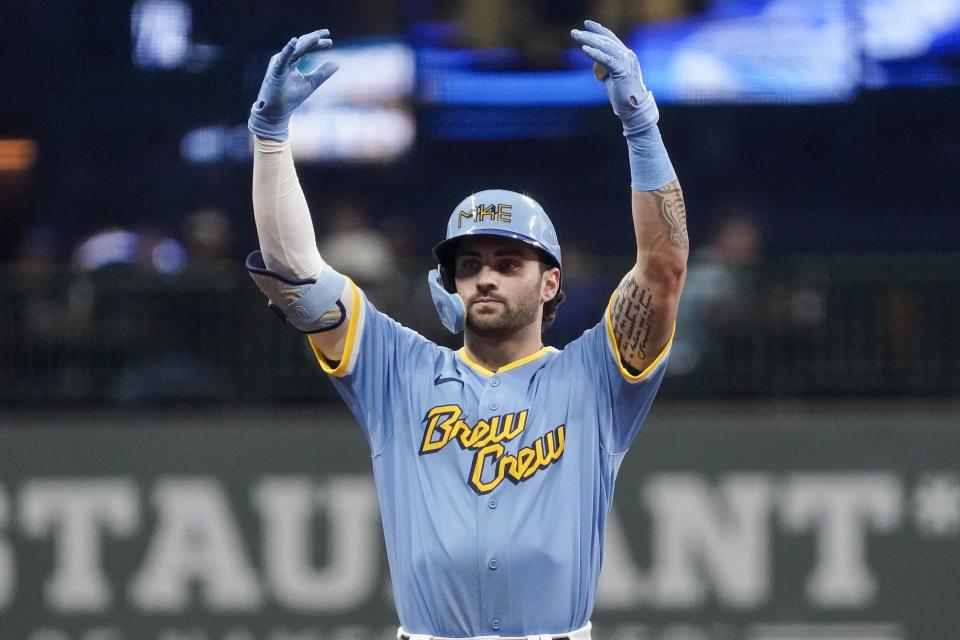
<point x="735" y="52"/>
<point x="362" y="114"/>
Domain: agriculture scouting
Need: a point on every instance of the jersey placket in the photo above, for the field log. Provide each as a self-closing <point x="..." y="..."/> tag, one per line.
<point x="493" y="535"/>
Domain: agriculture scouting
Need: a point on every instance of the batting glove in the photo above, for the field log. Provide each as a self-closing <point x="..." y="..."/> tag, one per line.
<point x="619" y="70"/>
<point x="285" y="87"/>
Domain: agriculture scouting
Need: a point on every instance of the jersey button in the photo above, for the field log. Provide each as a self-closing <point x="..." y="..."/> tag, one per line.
<point x="494" y="381"/>
<point x="493" y="503"/>
<point x="494" y="564"/>
<point x="495" y="623"/>
<point x="494" y="405"/>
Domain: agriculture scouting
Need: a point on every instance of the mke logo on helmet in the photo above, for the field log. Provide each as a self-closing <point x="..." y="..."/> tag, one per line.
<point x="491" y="462"/>
<point x="481" y="212"/>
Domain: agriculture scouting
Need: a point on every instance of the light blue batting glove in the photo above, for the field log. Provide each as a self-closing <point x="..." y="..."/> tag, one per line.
<point x="620" y="72"/>
<point x="285" y="87"/>
<point x="617" y="67"/>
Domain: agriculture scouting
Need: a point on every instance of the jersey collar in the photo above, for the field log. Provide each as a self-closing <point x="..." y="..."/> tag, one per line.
<point x="462" y="352"/>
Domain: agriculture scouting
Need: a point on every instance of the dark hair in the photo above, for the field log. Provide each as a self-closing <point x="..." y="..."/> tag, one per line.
<point x="550" y="310"/>
<point x="550" y="306"/>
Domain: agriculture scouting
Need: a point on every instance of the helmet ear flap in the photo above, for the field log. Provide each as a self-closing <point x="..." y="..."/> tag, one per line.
<point x="449" y="305"/>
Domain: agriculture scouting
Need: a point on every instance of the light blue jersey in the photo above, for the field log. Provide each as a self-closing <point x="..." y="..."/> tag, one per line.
<point x="494" y="486"/>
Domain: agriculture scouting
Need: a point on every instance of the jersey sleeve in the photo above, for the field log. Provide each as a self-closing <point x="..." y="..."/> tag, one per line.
<point x="624" y="398"/>
<point x="380" y="359"/>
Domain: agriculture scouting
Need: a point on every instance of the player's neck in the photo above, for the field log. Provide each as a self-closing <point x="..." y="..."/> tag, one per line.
<point x="493" y="352"/>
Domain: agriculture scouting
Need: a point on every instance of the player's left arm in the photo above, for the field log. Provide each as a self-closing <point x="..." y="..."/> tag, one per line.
<point x="644" y="307"/>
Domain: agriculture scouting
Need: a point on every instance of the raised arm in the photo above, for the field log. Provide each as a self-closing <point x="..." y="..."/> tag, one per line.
<point x="644" y="307"/>
<point x="309" y="294"/>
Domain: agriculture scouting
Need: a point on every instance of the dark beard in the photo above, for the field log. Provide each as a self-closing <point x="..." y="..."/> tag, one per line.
<point x="507" y="323"/>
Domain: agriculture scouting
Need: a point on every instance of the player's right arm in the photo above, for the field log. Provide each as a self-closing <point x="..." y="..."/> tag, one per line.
<point x="321" y="303"/>
<point x="308" y="293"/>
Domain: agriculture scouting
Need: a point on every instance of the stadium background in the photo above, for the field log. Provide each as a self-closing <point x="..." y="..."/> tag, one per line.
<point x="173" y="466"/>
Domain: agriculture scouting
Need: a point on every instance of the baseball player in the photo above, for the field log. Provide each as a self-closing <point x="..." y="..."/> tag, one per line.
<point x="495" y="463"/>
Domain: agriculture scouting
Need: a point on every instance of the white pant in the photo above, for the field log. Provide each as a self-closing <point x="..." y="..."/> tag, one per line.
<point x="583" y="633"/>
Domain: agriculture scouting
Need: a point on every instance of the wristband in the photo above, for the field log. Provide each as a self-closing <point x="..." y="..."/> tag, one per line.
<point x="650" y="166"/>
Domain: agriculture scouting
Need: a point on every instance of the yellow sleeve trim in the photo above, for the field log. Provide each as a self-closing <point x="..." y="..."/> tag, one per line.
<point x="348" y="348"/>
<point x="629" y="377"/>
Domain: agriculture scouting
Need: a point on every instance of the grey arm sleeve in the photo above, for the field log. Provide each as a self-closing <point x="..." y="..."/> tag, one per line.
<point x="288" y="269"/>
<point x="284" y="227"/>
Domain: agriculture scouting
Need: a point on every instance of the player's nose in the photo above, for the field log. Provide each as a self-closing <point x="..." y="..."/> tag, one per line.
<point x="487" y="277"/>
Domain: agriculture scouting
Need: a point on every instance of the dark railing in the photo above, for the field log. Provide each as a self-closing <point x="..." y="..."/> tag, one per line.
<point x="792" y="327"/>
<point x="876" y="325"/>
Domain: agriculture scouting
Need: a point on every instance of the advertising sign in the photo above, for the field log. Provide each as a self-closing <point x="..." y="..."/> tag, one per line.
<point x="267" y="528"/>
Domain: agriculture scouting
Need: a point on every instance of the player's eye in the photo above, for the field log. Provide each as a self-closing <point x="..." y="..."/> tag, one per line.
<point x="509" y="265"/>
<point x="468" y="265"/>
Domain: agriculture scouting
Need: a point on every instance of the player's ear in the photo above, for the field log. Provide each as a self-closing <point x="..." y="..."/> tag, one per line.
<point x="549" y="284"/>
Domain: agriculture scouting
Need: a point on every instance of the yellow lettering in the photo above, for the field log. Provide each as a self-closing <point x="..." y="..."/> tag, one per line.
<point x="524" y="457"/>
<point x="553" y="442"/>
<point x="452" y="413"/>
<point x="499" y="213"/>
<point x="508" y="432"/>
<point x="485" y="211"/>
<point x="444" y="424"/>
<point x="464" y="215"/>
<point x="503" y="425"/>
<point x="460" y="431"/>
<point x="555" y="454"/>
<point x="498" y="429"/>
<point x="545" y="451"/>
<point x="478" y="437"/>
<point x="495" y="430"/>
<point x="540" y="459"/>
<point x="494" y="452"/>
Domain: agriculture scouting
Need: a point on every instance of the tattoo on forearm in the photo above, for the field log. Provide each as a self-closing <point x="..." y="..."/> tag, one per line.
<point x="674" y="213"/>
<point x="633" y="315"/>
